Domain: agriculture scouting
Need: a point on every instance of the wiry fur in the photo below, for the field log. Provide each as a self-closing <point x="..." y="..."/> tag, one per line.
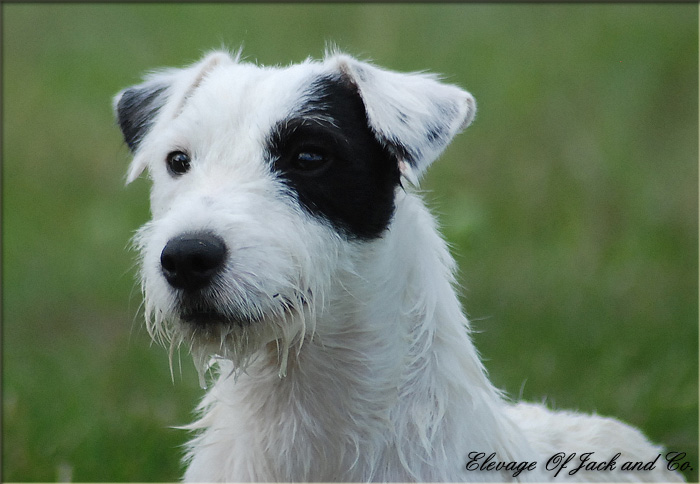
<point x="341" y="358"/>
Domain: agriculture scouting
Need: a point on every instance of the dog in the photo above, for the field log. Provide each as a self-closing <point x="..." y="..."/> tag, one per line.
<point x="290" y="252"/>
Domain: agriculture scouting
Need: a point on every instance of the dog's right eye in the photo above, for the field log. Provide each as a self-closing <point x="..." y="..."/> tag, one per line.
<point x="309" y="161"/>
<point x="178" y="163"/>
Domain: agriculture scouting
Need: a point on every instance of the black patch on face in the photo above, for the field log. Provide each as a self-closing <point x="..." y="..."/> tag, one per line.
<point x="135" y="112"/>
<point x="330" y="157"/>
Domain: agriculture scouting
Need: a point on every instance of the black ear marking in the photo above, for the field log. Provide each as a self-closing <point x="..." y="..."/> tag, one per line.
<point x="136" y="109"/>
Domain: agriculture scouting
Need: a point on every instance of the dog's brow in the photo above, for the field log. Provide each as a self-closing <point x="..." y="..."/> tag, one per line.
<point x="318" y="118"/>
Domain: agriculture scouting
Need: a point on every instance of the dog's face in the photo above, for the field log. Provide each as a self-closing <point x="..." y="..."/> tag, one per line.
<point x="263" y="179"/>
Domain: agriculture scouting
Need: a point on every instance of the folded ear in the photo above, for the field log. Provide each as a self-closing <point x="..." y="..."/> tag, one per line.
<point x="160" y="96"/>
<point x="414" y="115"/>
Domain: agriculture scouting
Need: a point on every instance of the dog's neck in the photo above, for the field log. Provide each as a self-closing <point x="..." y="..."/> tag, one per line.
<point x="386" y="365"/>
<point x="413" y="339"/>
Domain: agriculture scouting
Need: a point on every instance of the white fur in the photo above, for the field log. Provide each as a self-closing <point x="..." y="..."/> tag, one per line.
<point x="368" y="373"/>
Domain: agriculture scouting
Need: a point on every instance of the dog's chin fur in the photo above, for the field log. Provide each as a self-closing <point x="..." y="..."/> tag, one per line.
<point x="237" y="336"/>
<point x="240" y="343"/>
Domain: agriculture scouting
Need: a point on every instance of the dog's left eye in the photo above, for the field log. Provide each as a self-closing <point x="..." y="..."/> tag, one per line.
<point x="178" y="163"/>
<point x="309" y="161"/>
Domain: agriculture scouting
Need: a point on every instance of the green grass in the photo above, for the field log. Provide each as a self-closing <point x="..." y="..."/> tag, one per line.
<point x="571" y="205"/>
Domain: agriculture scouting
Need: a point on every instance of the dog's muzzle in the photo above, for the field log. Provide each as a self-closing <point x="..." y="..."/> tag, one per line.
<point x="194" y="266"/>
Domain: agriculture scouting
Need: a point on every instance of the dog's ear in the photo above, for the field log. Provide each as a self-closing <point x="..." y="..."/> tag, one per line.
<point x="136" y="108"/>
<point x="160" y="96"/>
<point x="414" y="115"/>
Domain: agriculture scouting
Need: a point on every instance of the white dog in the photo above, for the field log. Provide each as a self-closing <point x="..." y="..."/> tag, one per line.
<point x="286" y="244"/>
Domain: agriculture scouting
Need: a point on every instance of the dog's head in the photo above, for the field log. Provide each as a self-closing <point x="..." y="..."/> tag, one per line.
<point x="262" y="178"/>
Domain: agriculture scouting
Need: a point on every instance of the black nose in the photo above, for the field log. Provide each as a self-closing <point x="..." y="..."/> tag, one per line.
<point x="190" y="261"/>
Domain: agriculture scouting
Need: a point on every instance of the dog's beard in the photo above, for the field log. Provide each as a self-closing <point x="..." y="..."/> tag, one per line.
<point x="229" y="325"/>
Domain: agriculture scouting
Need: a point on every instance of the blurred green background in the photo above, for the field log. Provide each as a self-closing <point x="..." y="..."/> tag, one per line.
<point x="571" y="205"/>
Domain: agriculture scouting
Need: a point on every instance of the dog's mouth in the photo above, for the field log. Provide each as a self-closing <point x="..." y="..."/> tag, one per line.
<point x="202" y="311"/>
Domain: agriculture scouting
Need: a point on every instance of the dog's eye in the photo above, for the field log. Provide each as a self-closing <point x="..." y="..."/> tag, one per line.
<point x="178" y="163"/>
<point x="309" y="161"/>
